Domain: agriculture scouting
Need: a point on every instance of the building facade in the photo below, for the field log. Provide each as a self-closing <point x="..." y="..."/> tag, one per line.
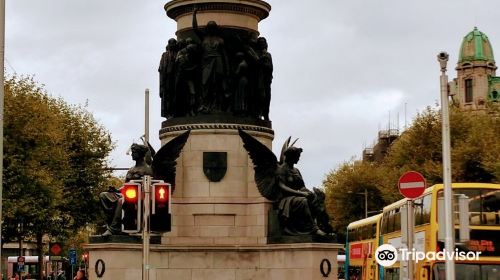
<point x="476" y="82"/>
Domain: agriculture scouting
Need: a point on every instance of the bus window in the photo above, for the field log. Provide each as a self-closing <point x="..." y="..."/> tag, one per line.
<point x="391" y="274"/>
<point x="490" y="272"/>
<point x="418" y="203"/>
<point x="426" y="209"/>
<point x="355" y="272"/>
<point x="397" y="220"/>
<point x="384" y="229"/>
<point x="468" y="271"/>
<point x="390" y="222"/>
<point x="484" y="205"/>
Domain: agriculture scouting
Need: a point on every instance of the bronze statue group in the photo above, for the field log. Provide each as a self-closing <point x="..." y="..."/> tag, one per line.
<point x="216" y="71"/>
<point x="224" y="71"/>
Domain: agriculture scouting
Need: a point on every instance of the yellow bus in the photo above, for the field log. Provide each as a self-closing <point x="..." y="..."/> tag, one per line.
<point x="484" y="220"/>
<point x="362" y="241"/>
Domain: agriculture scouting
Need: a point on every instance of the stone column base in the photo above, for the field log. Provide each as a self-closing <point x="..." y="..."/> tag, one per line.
<point x="273" y="261"/>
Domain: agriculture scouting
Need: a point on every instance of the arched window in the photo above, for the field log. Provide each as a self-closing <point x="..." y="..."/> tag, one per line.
<point x="468" y="91"/>
<point x="494" y="96"/>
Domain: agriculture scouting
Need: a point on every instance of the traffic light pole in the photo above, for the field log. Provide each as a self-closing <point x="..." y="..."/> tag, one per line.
<point x="147" y="198"/>
<point x="145" y="228"/>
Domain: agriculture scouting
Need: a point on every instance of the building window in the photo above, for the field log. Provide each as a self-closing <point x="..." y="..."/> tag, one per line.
<point x="494" y="96"/>
<point x="468" y="91"/>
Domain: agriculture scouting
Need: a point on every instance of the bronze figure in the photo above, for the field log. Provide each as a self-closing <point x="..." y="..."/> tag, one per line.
<point x="162" y="168"/>
<point x="300" y="210"/>
<point x="214" y="66"/>
<point x="167" y="77"/>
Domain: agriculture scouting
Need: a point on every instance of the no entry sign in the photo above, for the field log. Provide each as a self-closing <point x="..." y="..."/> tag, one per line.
<point x="412" y="184"/>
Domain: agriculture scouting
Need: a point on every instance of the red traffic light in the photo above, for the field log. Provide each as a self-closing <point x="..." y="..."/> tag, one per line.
<point x="131" y="192"/>
<point x="161" y="192"/>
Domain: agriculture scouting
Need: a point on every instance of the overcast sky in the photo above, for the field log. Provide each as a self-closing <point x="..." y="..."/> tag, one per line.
<point x="341" y="68"/>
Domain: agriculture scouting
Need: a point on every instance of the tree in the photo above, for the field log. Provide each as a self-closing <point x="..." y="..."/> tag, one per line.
<point x="343" y="188"/>
<point x="475" y="153"/>
<point x="54" y="159"/>
<point x="475" y="149"/>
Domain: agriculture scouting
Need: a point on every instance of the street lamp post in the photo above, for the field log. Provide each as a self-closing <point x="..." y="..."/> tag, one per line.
<point x="365" y="193"/>
<point x="366" y="203"/>
<point x="448" y="195"/>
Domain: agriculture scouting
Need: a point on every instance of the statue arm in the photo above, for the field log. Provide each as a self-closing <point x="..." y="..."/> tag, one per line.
<point x="195" y="25"/>
<point x="287" y="189"/>
<point x="252" y="53"/>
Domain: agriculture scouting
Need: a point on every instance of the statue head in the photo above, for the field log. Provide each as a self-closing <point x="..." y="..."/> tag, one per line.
<point x="189" y="41"/>
<point x="212" y="27"/>
<point x="240" y="56"/>
<point x="172" y="43"/>
<point x="262" y="43"/>
<point x="292" y="154"/>
<point x="181" y="44"/>
<point x="191" y="48"/>
<point x="138" y="151"/>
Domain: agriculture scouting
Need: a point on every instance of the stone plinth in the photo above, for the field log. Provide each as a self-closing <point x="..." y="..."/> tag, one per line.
<point x="241" y="14"/>
<point x="228" y="212"/>
<point x="284" y="261"/>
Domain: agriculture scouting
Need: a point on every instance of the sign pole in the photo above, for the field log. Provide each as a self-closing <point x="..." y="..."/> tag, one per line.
<point x="411" y="232"/>
<point x="411" y="185"/>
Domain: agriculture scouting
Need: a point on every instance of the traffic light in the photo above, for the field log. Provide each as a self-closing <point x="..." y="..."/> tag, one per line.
<point x="85" y="258"/>
<point x="132" y="207"/>
<point x="160" y="218"/>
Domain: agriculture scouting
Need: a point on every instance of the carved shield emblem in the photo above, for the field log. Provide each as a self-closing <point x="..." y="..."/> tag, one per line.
<point x="214" y="165"/>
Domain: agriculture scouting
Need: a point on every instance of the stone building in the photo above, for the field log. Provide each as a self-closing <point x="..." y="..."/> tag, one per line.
<point x="476" y="82"/>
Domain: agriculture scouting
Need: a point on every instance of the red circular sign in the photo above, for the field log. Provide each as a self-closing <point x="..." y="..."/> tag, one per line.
<point x="412" y="184"/>
<point x="55" y="249"/>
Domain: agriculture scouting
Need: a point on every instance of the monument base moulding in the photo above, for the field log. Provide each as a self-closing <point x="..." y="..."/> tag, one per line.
<point x="313" y="261"/>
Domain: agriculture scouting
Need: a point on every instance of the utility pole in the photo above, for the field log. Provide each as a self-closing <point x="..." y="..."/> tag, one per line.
<point x="449" y="243"/>
<point x="366" y="203"/>
<point x="2" y="94"/>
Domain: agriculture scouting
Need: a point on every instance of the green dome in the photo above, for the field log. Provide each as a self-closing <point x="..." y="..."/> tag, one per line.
<point x="476" y="46"/>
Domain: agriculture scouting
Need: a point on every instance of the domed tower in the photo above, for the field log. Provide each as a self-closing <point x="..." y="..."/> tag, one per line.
<point x="476" y="82"/>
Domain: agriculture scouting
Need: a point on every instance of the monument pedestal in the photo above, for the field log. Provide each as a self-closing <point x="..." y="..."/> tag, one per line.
<point x="219" y="229"/>
<point x="220" y="221"/>
<point x="312" y="261"/>
<point x="226" y="212"/>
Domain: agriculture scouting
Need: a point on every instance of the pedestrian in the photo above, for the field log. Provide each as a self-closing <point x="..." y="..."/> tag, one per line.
<point x="61" y="275"/>
<point x="80" y="275"/>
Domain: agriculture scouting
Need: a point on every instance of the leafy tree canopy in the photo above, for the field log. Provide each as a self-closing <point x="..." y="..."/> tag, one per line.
<point x="54" y="160"/>
<point x="475" y="154"/>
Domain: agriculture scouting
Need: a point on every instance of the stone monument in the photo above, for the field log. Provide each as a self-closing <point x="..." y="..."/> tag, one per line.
<point x="215" y="79"/>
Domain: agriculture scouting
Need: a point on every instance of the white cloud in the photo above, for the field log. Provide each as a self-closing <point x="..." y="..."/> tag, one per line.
<point x="340" y="67"/>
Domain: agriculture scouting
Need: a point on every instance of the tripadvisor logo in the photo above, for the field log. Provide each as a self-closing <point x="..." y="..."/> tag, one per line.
<point x="386" y="255"/>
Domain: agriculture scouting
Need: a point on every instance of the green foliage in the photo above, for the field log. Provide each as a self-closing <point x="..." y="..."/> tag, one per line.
<point x="345" y="189"/>
<point x="54" y="155"/>
<point x="475" y="154"/>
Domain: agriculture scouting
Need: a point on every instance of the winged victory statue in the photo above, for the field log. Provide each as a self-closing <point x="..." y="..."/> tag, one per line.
<point x="160" y="165"/>
<point x="300" y="210"/>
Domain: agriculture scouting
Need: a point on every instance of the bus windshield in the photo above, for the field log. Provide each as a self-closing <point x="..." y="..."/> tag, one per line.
<point x="469" y="271"/>
<point x="484" y="205"/>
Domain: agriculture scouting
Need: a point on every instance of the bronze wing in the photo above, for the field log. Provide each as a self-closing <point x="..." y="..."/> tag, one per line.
<point x="164" y="160"/>
<point x="265" y="165"/>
